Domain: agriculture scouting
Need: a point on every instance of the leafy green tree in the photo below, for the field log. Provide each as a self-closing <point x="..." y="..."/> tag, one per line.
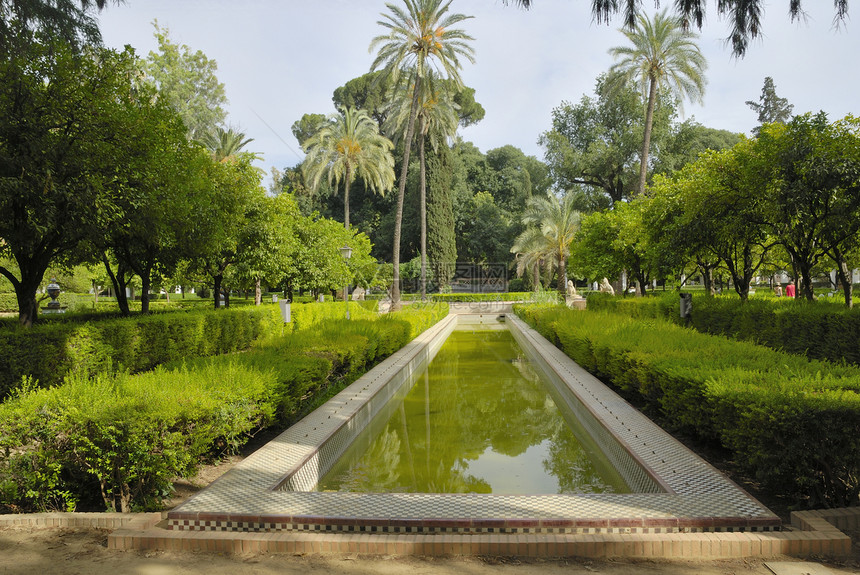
<point x="721" y="196"/>
<point x="155" y="203"/>
<point x="188" y="82"/>
<point x="551" y="221"/>
<point x="770" y="107"/>
<point x="814" y="193"/>
<point x="347" y="147"/>
<point x="309" y="124"/>
<point x="319" y="267"/>
<point x="268" y="244"/>
<point x="70" y="21"/>
<point x="686" y="141"/>
<point x="594" y="143"/>
<point x="671" y="227"/>
<point x="664" y="57"/>
<point x="490" y="231"/>
<point x="225" y="193"/>
<point x="369" y="92"/>
<point x="64" y="120"/>
<point x="422" y="36"/>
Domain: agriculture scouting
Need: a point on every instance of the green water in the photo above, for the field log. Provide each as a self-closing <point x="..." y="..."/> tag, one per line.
<point x="478" y="420"/>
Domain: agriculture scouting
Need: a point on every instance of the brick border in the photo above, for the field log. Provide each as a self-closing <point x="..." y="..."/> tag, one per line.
<point x="815" y="533"/>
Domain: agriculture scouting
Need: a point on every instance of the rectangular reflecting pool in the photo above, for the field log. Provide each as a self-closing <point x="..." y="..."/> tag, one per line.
<point x="477" y="419"/>
<point x="509" y="469"/>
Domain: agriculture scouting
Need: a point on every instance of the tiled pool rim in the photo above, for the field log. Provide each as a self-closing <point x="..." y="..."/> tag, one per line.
<point x="697" y="497"/>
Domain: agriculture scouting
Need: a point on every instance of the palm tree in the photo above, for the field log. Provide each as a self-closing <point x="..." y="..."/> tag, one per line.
<point x="437" y="119"/>
<point x="743" y="17"/>
<point x="349" y="146"/>
<point x="551" y="223"/>
<point x="223" y="144"/>
<point x="664" y="57"/>
<point x="420" y="38"/>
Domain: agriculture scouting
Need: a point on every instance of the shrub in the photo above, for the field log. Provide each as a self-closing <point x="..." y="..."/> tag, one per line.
<point x="793" y="423"/>
<point x="819" y="330"/>
<point x="117" y="441"/>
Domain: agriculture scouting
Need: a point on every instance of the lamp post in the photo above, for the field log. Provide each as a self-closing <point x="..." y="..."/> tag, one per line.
<point x="346" y="253"/>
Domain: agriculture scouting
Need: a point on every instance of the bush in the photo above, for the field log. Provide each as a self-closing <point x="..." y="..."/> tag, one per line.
<point x="481" y="297"/>
<point x="116" y="441"/>
<point x="793" y="423"/>
<point x="818" y="330"/>
<point x="50" y="352"/>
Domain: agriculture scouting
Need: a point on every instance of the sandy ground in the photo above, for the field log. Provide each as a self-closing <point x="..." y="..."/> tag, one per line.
<point x="84" y="552"/>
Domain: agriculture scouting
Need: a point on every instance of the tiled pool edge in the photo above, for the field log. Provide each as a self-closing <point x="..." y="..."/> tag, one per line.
<point x="817" y="534"/>
<point x="702" y="500"/>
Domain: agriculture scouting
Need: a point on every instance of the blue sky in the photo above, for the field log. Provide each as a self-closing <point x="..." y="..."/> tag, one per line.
<point x="280" y="59"/>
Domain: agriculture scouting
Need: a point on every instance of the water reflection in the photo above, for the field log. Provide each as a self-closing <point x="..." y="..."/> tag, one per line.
<point x="479" y="420"/>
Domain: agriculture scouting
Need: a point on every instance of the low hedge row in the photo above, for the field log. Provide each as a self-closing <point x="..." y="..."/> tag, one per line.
<point x="819" y="330"/>
<point x="793" y="423"/>
<point x="481" y="297"/>
<point x="117" y="442"/>
<point x="50" y="352"/>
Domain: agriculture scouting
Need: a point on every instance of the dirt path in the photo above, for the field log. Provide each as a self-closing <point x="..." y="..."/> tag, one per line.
<point x="73" y="551"/>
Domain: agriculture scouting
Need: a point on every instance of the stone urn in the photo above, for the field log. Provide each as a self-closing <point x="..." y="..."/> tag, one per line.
<point x="53" y="290"/>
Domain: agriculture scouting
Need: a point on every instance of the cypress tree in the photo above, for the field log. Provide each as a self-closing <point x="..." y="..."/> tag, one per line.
<point x="441" y="241"/>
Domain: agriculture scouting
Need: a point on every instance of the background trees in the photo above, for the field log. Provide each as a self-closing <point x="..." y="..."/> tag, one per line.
<point x="66" y="141"/>
<point x="420" y="37"/>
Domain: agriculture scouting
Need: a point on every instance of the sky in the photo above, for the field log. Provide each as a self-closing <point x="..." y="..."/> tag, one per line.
<point x="281" y="59"/>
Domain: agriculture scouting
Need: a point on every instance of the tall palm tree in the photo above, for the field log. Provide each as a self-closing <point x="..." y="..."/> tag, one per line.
<point x="744" y="17"/>
<point x="551" y="223"/>
<point x="664" y="57"/>
<point x="437" y="120"/>
<point x="420" y="38"/>
<point x="345" y="147"/>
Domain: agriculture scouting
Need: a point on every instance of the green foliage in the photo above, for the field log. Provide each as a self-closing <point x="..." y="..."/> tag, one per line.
<point x="792" y="423"/>
<point x="819" y="330"/>
<point x="117" y="441"/>
<point x="481" y="297"/>
<point x="50" y="352"/>
<point x="187" y="81"/>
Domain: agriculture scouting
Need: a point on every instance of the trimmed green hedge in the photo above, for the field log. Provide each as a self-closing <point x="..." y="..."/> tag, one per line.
<point x="481" y="297"/>
<point x="51" y="351"/>
<point x="819" y="330"/>
<point x="118" y="441"/>
<point x="793" y="423"/>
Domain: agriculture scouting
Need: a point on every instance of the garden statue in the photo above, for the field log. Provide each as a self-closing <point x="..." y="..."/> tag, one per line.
<point x="571" y="289"/>
<point x="606" y="287"/>
<point x="358" y="294"/>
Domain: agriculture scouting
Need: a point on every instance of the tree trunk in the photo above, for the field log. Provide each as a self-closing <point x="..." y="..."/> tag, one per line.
<point x="844" y="276"/>
<point x="258" y="292"/>
<point x="119" y="283"/>
<point x="401" y="192"/>
<point x="346" y="197"/>
<point x="646" y="144"/>
<point x="423" y="210"/>
<point x="562" y="275"/>
<point x="28" y="308"/>
<point x="216" y="289"/>
<point x="145" y="282"/>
